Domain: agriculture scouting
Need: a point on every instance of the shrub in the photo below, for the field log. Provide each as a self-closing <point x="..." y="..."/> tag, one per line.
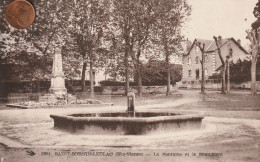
<point x="215" y="76"/>
<point x="98" y="89"/>
<point x="110" y="82"/>
<point x="77" y="82"/>
<point x="114" y="89"/>
<point x="155" y="73"/>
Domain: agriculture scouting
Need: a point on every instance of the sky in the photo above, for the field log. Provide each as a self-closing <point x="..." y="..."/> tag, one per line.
<point x="228" y="18"/>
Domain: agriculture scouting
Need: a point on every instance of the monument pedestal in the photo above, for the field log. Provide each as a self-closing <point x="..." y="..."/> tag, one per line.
<point x="58" y="85"/>
<point x="57" y="90"/>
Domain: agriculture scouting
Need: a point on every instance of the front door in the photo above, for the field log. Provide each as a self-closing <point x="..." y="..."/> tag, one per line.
<point x="197" y="74"/>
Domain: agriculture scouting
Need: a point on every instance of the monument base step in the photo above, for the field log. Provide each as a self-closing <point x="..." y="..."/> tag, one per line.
<point x="54" y="97"/>
<point x="49" y="97"/>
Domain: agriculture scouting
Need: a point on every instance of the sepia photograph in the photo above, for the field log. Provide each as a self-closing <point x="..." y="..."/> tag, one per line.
<point x="129" y="80"/>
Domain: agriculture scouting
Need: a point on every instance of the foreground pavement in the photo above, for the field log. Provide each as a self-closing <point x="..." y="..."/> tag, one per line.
<point x="228" y="134"/>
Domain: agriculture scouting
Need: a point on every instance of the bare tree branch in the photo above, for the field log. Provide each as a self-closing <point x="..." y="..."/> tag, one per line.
<point x="219" y="51"/>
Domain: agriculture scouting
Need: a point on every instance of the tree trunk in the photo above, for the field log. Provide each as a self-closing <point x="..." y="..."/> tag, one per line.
<point x="254" y="36"/>
<point x="139" y="68"/>
<point x="168" y="77"/>
<point x="223" y="88"/>
<point x="202" y="49"/>
<point x="126" y="71"/>
<point x="228" y="76"/>
<point x="167" y="61"/>
<point x="91" y="78"/>
<point x="38" y="85"/>
<point x="139" y="79"/>
<point x="253" y="71"/>
<point x="83" y="76"/>
<point x="203" y="74"/>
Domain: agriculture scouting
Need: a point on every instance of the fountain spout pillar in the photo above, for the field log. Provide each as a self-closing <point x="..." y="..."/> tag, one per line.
<point x="131" y="104"/>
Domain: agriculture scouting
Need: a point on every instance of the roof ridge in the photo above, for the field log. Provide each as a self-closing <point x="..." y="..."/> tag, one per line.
<point x="209" y="45"/>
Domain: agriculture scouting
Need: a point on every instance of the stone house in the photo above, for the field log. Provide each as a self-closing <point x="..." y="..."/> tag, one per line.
<point x="192" y="72"/>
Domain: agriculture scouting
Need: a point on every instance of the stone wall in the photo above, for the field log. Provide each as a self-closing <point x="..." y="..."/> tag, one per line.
<point x="197" y="85"/>
<point x="245" y="85"/>
<point x="100" y="91"/>
<point x="120" y="90"/>
<point x="215" y="86"/>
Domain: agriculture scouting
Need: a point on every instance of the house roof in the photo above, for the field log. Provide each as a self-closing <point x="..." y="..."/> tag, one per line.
<point x="210" y="45"/>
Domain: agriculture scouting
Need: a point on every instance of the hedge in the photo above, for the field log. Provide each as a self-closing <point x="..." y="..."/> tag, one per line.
<point x="115" y="83"/>
<point x="77" y="82"/>
<point x="119" y="83"/>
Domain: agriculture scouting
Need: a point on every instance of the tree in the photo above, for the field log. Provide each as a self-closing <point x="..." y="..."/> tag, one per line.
<point x="223" y="71"/>
<point x="254" y="36"/>
<point x="123" y="14"/>
<point x="155" y="73"/>
<point x="228" y="69"/>
<point x="88" y="22"/>
<point x="33" y="47"/>
<point x="115" y="66"/>
<point x="140" y="23"/>
<point x="240" y="71"/>
<point x="202" y="49"/>
<point x="116" y="60"/>
<point x="171" y="16"/>
<point x="144" y="17"/>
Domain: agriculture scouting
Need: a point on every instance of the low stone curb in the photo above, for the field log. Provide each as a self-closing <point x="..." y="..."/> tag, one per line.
<point x="56" y="106"/>
<point x="18" y="106"/>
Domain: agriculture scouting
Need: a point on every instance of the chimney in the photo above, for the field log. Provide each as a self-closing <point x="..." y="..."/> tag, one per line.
<point x="239" y="41"/>
<point x="219" y="40"/>
<point x="188" y="45"/>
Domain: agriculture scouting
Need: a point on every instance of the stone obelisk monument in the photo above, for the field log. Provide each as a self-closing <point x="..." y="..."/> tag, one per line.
<point x="57" y="90"/>
<point x="57" y="76"/>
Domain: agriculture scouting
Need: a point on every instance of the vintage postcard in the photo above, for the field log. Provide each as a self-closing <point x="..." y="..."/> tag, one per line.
<point x="129" y="80"/>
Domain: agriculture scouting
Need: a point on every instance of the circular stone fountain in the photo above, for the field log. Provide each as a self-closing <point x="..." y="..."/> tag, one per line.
<point x="120" y="123"/>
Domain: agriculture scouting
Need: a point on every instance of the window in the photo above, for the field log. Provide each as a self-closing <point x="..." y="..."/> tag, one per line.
<point x="189" y="72"/>
<point x="206" y="71"/>
<point x="189" y="60"/>
<point x="196" y="49"/>
<point x="206" y="58"/>
<point x="230" y="52"/>
<point x="213" y="61"/>
<point x="197" y="59"/>
<point x="197" y="72"/>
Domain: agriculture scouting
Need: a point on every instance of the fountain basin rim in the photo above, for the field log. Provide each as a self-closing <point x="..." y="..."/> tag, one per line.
<point x="130" y="119"/>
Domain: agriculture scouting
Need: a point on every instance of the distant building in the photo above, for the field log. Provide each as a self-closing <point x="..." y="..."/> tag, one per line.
<point x="191" y="61"/>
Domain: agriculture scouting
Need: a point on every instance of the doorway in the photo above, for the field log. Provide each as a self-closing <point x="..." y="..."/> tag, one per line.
<point x="197" y="74"/>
